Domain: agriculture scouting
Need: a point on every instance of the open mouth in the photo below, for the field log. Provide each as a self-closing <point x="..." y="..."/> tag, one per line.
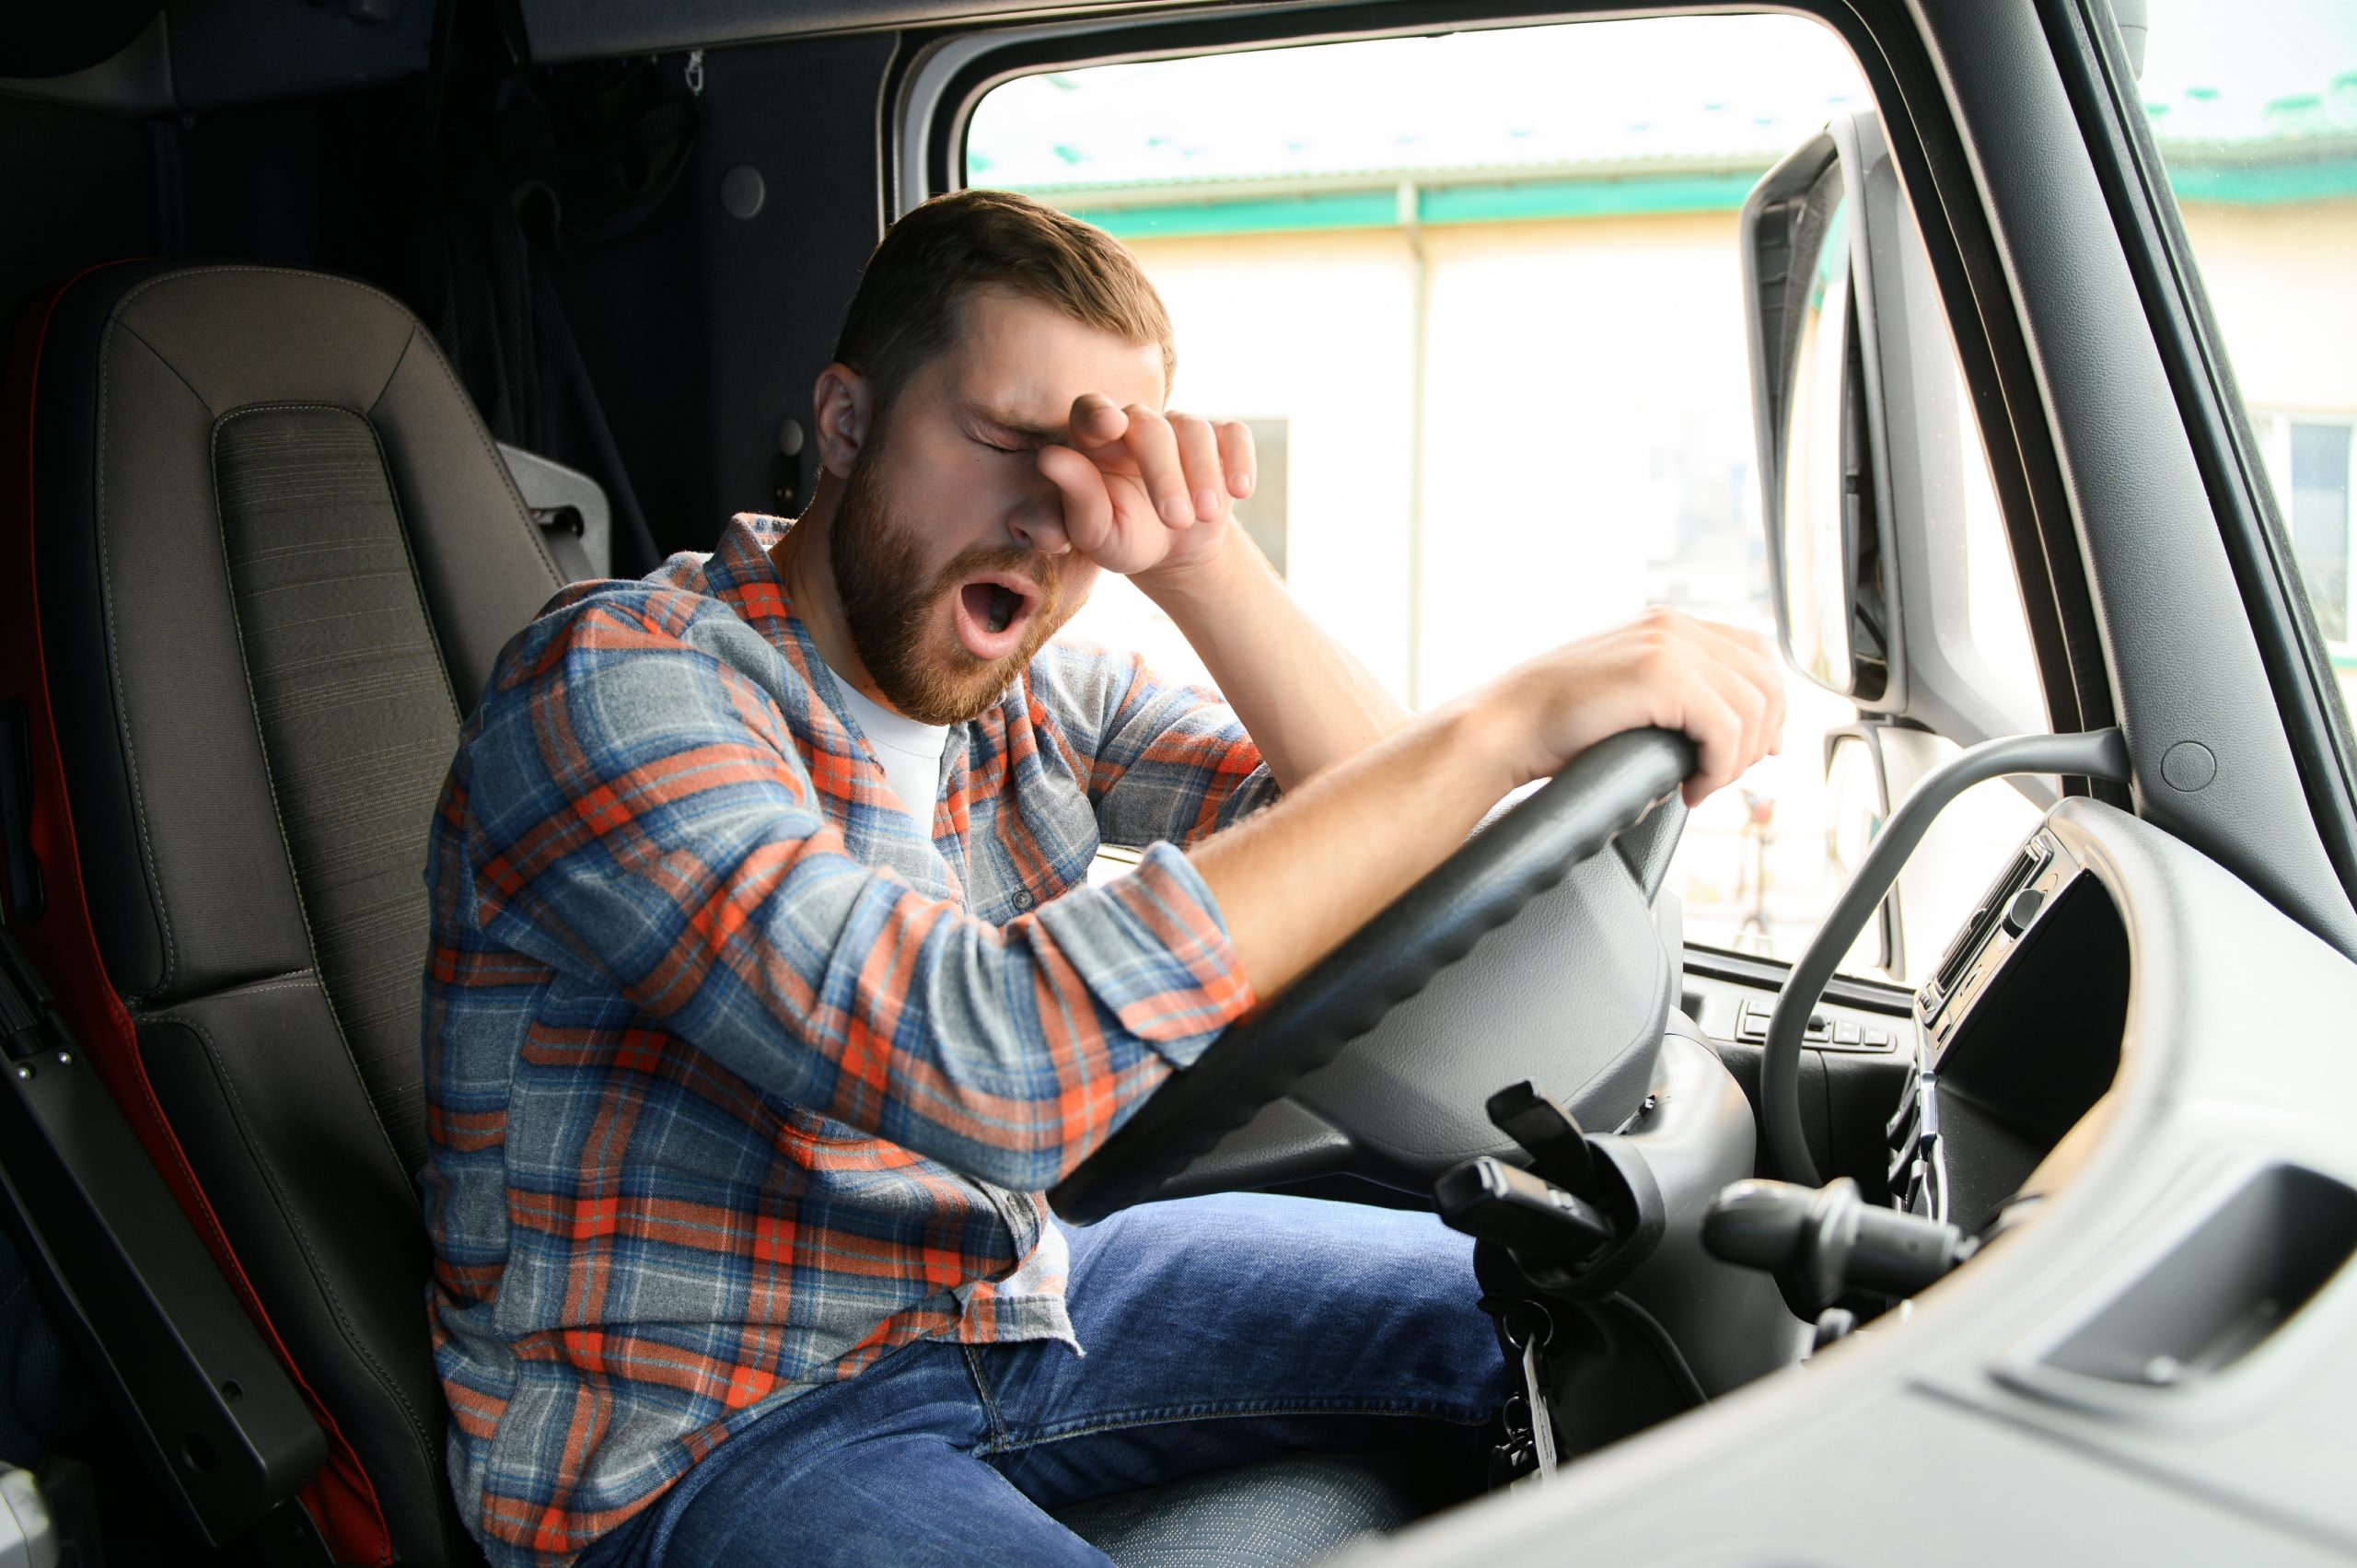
<point x="992" y="612"/>
<point x="1003" y="603"/>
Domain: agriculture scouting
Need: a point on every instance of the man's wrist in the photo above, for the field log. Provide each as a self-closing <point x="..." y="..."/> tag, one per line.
<point x="1492" y="729"/>
<point x="1204" y="582"/>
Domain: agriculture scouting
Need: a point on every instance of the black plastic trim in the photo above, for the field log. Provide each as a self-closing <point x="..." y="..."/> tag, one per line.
<point x="1770" y="974"/>
<point x="19" y="867"/>
<point x="203" y="1396"/>
<point x="2102" y="754"/>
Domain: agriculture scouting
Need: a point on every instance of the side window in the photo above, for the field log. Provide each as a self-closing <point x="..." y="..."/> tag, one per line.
<point x="2309" y="458"/>
<point x="2254" y="111"/>
<point x="1482" y="297"/>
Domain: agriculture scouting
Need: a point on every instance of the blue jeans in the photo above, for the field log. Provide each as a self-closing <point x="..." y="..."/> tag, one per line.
<point x="1218" y="1330"/>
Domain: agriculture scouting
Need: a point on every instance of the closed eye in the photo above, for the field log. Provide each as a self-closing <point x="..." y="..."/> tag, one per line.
<point x="1001" y="434"/>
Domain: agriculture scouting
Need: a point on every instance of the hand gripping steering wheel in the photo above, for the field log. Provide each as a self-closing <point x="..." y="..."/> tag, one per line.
<point x="1605" y="790"/>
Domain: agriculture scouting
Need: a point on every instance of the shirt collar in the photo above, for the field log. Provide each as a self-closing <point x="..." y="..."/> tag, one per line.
<point x="740" y="574"/>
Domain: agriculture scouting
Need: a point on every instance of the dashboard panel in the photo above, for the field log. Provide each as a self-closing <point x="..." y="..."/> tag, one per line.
<point x="2021" y="1024"/>
<point x="2150" y="1362"/>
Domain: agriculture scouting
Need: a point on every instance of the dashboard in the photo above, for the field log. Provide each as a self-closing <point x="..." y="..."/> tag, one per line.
<point x="2151" y="1364"/>
<point x="2020" y="1030"/>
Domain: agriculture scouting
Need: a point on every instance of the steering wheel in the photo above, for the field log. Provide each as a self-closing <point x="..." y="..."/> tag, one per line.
<point x="1605" y="790"/>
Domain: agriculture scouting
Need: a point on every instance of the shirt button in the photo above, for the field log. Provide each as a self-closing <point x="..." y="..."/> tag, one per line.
<point x="1023" y="897"/>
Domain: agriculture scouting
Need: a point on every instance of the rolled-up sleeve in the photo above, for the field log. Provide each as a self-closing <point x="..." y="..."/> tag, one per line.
<point x="1171" y="761"/>
<point x="643" y="818"/>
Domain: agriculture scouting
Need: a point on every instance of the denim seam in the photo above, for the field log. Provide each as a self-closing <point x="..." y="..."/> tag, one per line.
<point x="990" y="1401"/>
<point x="1177" y="1415"/>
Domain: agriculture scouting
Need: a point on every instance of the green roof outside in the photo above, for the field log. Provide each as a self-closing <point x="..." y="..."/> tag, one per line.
<point x="2251" y="102"/>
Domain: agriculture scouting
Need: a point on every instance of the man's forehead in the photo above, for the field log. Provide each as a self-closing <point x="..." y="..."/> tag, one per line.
<point x="1022" y="362"/>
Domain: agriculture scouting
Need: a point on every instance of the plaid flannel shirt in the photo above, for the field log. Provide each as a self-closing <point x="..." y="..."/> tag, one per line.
<point x="736" y="1079"/>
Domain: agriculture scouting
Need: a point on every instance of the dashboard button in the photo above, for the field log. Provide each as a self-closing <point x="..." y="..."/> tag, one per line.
<point x="2023" y="909"/>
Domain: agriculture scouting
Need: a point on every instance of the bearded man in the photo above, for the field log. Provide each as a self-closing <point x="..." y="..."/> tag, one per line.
<point x="767" y="995"/>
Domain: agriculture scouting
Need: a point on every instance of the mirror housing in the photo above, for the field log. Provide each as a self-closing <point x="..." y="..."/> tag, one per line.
<point x="1853" y="366"/>
<point x="1809" y="231"/>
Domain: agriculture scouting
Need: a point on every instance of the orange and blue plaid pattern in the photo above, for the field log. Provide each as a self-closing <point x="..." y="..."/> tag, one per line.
<point x="737" y="1079"/>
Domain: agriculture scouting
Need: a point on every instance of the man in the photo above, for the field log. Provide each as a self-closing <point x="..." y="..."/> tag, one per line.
<point x="766" y="997"/>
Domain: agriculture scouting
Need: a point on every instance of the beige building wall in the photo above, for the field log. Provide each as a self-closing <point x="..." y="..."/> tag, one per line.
<point x="2283" y="282"/>
<point x="1577" y="373"/>
<point x="1566" y="362"/>
<point x="1570" y="366"/>
<point x="1575" y="370"/>
<point x="1314" y="329"/>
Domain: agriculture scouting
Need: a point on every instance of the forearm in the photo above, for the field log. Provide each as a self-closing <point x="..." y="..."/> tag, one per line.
<point x="1295" y="880"/>
<point x="906" y="1017"/>
<point x="1304" y="700"/>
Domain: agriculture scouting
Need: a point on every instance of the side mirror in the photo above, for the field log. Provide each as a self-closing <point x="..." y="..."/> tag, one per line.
<point x="1868" y="458"/>
<point x="1811" y="278"/>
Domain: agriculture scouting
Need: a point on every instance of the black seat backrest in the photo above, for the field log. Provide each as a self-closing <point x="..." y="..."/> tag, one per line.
<point x="276" y="553"/>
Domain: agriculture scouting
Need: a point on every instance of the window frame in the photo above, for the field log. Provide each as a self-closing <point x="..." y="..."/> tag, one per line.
<point x="943" y="76"/>
<point x="945" y="79"/>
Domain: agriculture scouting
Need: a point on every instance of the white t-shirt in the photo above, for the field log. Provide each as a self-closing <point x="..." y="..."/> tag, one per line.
<point x="909" y="753"/>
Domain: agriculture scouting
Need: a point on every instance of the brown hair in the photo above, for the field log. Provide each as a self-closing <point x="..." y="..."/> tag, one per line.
<point x="906" y="310"/>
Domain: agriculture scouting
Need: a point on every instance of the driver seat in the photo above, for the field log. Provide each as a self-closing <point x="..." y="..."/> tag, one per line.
<point x="273" y="552"/>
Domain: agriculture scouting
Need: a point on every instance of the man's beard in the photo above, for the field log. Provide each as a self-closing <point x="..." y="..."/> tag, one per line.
<point x="892" y="612"/>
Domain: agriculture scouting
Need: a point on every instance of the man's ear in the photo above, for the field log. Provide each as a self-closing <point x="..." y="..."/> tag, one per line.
<point x="844" y="404"/>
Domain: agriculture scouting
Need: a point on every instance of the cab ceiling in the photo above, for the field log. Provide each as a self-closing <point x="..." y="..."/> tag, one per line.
<point x="198" y="54"/>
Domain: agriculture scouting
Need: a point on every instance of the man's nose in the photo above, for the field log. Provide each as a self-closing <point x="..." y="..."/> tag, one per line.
<point x="1038" y="524"/>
